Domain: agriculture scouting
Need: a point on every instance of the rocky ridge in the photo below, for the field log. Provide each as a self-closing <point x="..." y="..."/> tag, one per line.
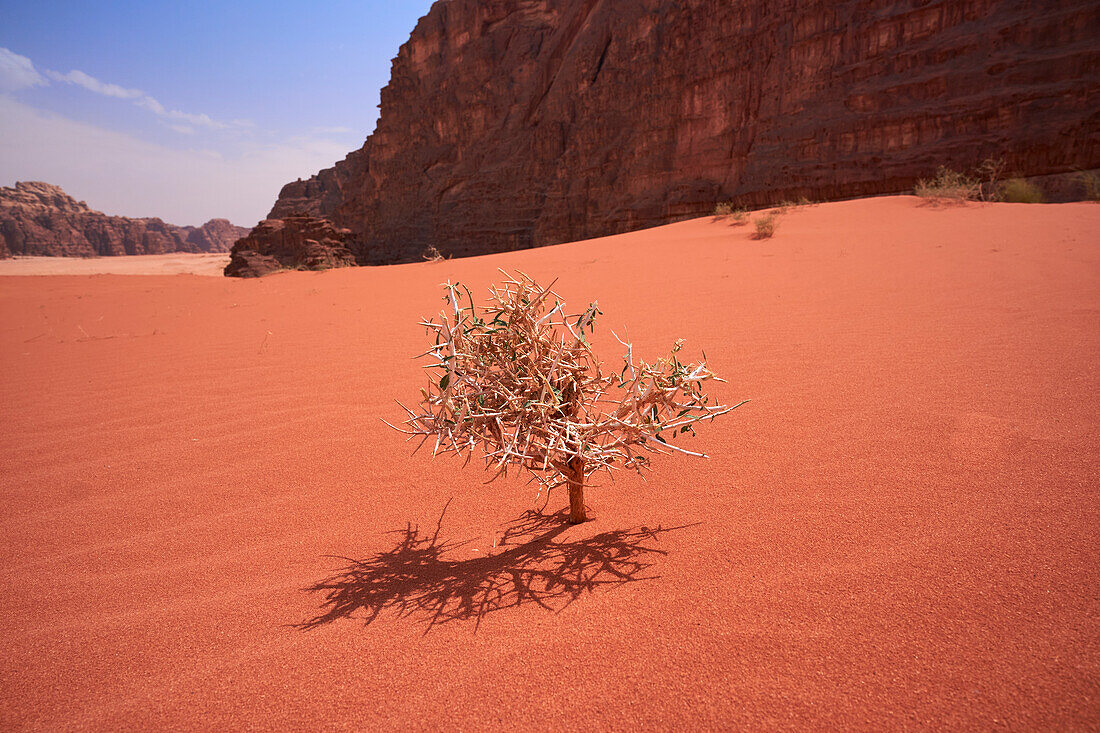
<point x="293" y="243"/>
<point x="519" y="123"/>
<point x="41" y="219"/>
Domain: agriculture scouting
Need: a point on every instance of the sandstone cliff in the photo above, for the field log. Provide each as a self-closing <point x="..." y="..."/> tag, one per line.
<point x="40" y="219"/>
<point x="518" y="123"/>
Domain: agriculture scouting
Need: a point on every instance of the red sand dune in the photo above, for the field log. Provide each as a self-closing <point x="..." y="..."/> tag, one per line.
<point x="899" y="531"/>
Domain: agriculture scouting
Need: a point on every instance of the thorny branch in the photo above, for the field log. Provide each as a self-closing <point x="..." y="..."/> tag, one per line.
<point x="518" y="379"/>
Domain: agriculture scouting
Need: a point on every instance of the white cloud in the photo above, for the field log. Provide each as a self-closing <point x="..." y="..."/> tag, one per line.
<point x="197" y="120"/>
<point x="92" y="84"/>
<point x="120" y="174"/>
<point x="17" y="72"/>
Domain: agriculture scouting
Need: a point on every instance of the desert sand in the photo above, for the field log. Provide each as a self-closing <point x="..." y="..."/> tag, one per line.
<point x="899" y="531"/>
<point x="177" y="263"/>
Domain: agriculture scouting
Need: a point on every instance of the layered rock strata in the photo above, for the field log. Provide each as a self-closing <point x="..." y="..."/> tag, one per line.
<point x="518" y="123"/>
<point x="40" y="219"/>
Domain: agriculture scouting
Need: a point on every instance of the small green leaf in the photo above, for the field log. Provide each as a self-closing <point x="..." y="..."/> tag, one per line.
<point x="445" y="381"/>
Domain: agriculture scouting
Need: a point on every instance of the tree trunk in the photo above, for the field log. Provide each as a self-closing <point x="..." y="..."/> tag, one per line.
<point x="575" y="478"/>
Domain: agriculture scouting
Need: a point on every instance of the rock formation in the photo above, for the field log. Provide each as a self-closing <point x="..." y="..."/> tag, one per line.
<point x="293" y="243"/>
<point x="518" y="123"/>
<point x="40" y="219"/>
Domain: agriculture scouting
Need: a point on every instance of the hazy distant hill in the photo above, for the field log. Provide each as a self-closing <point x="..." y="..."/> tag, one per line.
<point x="41" y="219"/>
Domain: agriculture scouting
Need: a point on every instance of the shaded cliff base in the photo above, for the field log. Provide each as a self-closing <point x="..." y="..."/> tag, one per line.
<point x="899" y="528"/>
<point x="309" y="242"/>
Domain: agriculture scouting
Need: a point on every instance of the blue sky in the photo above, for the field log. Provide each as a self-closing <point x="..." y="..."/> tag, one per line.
<point x="190" y="110"/>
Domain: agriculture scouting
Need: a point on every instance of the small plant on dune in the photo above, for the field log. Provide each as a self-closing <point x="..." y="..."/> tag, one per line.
<point x="726" y="208"/>
<point x="990" y="172"/>
<point x="1019" y="191"/>
<point x="739" y="215"/>
<point x="431" y="254"/>
<point x="949" y="186"/>
<point x="765" y="225"/>
<point x="518" y="380"/>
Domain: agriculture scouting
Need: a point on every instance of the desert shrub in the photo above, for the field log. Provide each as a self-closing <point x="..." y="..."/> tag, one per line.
<point x="990" y="172"/>
<point x="432" y="254"/>
<point x="765" y="225"/>
<point x="949" y="185"/>
<point x="1019" y="191"/>
<point x="517" y="380"/>
<point x="739" y="214"/>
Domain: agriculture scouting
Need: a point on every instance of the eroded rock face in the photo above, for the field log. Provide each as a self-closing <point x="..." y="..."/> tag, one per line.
<point x="40" y="219"/>
<point x="519" y="123"/>
<point x="293" y="243"/>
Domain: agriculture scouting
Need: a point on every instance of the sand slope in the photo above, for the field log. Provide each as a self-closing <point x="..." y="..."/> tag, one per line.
<point x="899" y="531"/>
<point x="177" y="263"/>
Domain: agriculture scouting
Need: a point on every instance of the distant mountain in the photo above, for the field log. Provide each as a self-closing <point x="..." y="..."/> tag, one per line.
<point x="41" y="219"/>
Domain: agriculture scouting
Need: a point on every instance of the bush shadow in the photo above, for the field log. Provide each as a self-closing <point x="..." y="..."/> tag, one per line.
<point x="530" y="565"/>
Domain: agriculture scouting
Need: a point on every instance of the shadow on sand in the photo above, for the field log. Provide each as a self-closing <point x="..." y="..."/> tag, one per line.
<point x="415" y="579"/>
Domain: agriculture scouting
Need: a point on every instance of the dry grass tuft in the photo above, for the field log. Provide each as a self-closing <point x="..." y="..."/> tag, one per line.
<point x="725" y="209"/>
<point x="765" y="225"/>
<point x="949" y="187"/>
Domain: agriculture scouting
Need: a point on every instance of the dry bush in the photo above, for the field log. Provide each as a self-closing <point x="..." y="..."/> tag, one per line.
<point x="431" y="254"/>
<point x="518" y="380"/>
<point x="949" y="187"/>
<point x="990" y="172"/>
<point x="1019" y="191"/>
<point x="739" y="213"/>
<point x="765" y="225"/>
